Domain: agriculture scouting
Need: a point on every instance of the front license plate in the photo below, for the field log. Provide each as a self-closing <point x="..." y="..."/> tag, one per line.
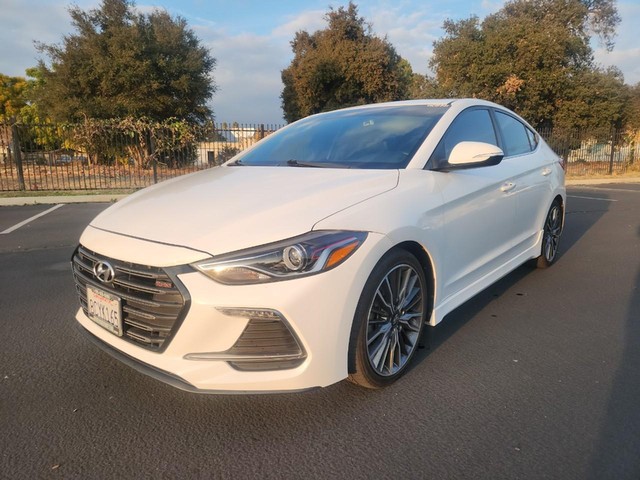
<point x="105" y="309"/>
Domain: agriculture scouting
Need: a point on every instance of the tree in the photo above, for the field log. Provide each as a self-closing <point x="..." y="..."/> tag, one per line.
<point x="634" y="107"/>
<point x="423" y="86"/>
<point x="12" y="96"/>
<point x="598" y="101"/>
<point x="532" y="56"/>
<point x="345" y="64"/>
<point x="121" y="63"/>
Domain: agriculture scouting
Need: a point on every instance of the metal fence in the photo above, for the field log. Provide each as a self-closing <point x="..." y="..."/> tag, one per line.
<point x="591" y="153"/>
<point x="104" y="157"/>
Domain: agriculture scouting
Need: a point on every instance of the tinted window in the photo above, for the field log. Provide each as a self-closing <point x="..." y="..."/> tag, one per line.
<point x="514" y="135"/>
<point x="470" y="126"/>
<point x="378" y="137"/>
<point x="533" y="139"/>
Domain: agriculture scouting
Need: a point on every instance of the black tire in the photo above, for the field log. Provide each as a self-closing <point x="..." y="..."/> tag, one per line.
<point x="389" y="320"/>
<point x="551" y="236"/>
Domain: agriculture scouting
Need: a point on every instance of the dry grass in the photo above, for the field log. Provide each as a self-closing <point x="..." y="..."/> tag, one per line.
<point x="80" y="179"/>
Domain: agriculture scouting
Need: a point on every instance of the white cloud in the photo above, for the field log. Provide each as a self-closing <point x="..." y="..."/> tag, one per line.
<point x="247" y="75"/>
<point x="626" y="60"/>
<point x="626" y="53"/>
<point x="248" y="68"/>
<point x="491" y="6"/>
<point x="411" y="33"/>
<point x="22" y="24"/>
<point x="311" y="20"/>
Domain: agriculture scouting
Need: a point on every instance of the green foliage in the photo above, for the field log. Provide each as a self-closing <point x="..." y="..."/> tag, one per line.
<point x="597" y="100"/>
<point x="534" y="57"/>
<point x="120" y="63"/>
<point x="634" y="107"/>
<point x="134" y="140"/>
<point x="345" y="64"/>
<point x="423" y="86"/>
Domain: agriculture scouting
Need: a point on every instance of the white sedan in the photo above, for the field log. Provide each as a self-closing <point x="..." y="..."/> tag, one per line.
<point x="320" y="253"/>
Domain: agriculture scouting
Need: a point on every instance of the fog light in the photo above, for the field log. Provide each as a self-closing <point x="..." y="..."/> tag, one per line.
<point x="266" y="343"/>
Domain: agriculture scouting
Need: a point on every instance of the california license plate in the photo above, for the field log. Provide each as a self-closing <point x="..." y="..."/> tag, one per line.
<point x="105" y="309"/>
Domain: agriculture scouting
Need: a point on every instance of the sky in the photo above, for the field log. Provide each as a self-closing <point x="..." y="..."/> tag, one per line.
<point x="250" y="39"/>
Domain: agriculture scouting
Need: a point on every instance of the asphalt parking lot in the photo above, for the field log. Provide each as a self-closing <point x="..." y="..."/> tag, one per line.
<point x="537" y="377"/>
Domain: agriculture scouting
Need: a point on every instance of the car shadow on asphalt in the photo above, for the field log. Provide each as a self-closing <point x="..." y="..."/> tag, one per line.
<point x="617" y="444"/>
<point x="580" y="216"/>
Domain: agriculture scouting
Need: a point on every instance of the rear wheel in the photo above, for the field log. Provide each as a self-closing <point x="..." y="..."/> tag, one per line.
<point x="389" y="319"/>
<point x="551" y="236"/>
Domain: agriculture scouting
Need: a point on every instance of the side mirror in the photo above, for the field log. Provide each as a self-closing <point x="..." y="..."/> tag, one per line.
<point x="474" y="154"/>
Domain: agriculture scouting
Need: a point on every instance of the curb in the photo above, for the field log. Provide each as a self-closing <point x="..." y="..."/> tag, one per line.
<point x="55" y="199"/>
<point x="601" y="181"/>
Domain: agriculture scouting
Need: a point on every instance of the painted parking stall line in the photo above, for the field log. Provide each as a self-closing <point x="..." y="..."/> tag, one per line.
<point x="30" y="219"/>
<point x="609" y="189"/>
<point x="593" y="198"/>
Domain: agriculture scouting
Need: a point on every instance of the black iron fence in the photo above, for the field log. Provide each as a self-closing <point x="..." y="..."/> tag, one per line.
<point x="117" y="155"/>
<point x="595" y="153"/>
<point x="132" y="154"/>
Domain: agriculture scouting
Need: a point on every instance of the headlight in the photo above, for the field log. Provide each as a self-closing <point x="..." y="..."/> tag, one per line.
<point x="307" y="254"/>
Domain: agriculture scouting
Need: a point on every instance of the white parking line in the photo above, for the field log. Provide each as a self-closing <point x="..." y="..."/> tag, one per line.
<point x="29" y="220"/>
<point x="605" y="189"/>
<point x="594" y="198"/>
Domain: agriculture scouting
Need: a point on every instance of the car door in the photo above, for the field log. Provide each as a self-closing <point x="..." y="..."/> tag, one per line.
<point x="531" y="186"/>
<point x="478" y="207"/>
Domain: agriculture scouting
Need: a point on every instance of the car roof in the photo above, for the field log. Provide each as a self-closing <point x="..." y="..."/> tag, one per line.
<point x="430" y="102"/>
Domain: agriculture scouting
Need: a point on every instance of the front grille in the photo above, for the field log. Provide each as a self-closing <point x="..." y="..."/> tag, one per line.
<point x="153" y="299"/>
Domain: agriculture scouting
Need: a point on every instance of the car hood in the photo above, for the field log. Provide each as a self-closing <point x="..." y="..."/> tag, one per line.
<point x="230" y="208"/>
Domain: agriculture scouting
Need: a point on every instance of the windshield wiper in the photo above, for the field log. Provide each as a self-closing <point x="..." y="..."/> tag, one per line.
<point x="237" y="163"/>
<point x="298" y="163"/>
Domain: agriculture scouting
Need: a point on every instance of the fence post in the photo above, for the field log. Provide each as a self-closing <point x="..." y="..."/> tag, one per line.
<point x="261" y="131"/>
<point x="613" y="147"/>
<point x="154" y="161"/>
<point x="17" y="155"/>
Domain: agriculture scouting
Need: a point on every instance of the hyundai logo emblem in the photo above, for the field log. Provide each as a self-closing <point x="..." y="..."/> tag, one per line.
<point x="104" y="272"/>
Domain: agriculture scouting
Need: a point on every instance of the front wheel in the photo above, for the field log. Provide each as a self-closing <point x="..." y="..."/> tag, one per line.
<point x="388" y="322"/>
<point x="551" y="236"/>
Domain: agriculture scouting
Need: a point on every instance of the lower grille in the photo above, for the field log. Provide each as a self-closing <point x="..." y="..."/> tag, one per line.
<point x="153" y="299"/>
<point x="267" y="342"/>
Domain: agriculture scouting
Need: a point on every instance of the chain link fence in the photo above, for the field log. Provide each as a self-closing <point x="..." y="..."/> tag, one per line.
<point x="133" y="154"/>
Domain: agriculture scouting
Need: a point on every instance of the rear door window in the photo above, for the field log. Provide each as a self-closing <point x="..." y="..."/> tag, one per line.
<point x="515" y="136"/>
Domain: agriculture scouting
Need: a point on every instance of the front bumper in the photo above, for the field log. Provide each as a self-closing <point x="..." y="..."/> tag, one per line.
<point x="318" y="309"/>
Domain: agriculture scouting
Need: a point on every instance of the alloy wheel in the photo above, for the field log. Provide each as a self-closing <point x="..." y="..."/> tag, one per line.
<point x="552" y="231"/>
<point x="394" y="320"/>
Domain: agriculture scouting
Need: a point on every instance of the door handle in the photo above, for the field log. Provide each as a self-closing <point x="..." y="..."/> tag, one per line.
<point x="546" y="171"/>
<point x="507" y="187"/>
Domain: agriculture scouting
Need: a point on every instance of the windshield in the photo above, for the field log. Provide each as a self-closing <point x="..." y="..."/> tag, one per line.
<point x="377" y="137"/>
